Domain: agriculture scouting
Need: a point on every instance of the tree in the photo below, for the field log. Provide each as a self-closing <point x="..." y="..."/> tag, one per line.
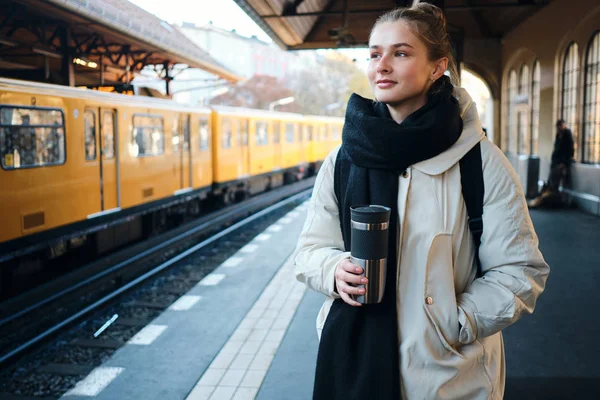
<point x="325" y="90"/>
<point x="257" y="92"/>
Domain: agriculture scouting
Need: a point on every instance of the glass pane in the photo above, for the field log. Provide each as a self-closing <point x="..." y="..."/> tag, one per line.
<point x="175" y="139"/>
<point x="204" y="134"/>
<point x="89" y="123"/>
<point x="226" y="134"/>
<point x="148" y="135"/>
<point x="108" y="135"/>
<point x="591" y="118"/>
<point x="186" y="133"/>
<point x="289" y="133"/>
<point x="31" y="137"/>
<point x="569" y="91"/>
<point x="262" y="137"/>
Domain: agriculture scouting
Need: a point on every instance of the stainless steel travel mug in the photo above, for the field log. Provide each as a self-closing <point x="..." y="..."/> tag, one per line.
<point x="369" y="248"/>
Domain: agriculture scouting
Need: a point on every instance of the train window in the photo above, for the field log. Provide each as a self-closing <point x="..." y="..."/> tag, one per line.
<point x="262" y="137"/>
<point x="108" y="134"/>
<point x="226" y="134"/>
<point x="175" y="139"/>
<point x="186" y="133"/>
<point x="309" y="133"/>
<point x="276" y="132"/>
<point x="289" y="133"/>
<point x="89" y="126"/>
<point x="204" y="134"/>
<point x="148" y="135"/>
<point x="325" y="133"/>
<point x="31" y="137"/>
<point x="243" y="133"/>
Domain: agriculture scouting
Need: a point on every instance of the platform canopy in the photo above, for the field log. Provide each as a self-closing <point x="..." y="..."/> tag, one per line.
<point x="315" y="24"/>
<point x="92" y="43"/>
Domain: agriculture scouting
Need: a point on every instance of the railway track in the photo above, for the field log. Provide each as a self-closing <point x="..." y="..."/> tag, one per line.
<point x="134" y="285"/>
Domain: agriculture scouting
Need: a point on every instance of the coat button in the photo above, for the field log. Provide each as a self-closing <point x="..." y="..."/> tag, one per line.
<point x="405" y="174"/>
<point x="429" y="300"/>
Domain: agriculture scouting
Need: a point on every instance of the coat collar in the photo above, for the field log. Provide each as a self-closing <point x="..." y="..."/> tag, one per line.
<point x="470" y="136"/>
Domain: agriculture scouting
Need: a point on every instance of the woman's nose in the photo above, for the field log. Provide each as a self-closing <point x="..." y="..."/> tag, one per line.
<point x="383" y="66"/>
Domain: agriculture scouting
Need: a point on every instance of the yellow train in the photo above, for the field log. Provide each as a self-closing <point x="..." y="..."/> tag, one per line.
<point x="74" y="160"/>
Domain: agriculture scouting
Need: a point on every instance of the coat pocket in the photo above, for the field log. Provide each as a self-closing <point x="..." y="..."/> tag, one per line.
<point x="439" y="292"/>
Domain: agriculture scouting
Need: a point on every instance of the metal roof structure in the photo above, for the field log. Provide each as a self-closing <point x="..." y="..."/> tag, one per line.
<point x="314" y="24"/>
<point x="92" y="42"/>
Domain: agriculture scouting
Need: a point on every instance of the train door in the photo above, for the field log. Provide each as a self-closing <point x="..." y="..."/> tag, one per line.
<point x="109" y="165"/>
<point x="186" y="151"/>
<point x="243" y="147"/>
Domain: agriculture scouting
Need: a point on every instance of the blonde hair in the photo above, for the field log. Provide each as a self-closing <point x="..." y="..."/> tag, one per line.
<point x="428" y="23"/>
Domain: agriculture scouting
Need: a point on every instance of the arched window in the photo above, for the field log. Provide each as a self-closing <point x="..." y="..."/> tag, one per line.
<point x="591" y="103"/>
<point x="511" y="126"/>
<point x="570" y="72"/>
<point x="535" y="107"/>
<point x="523" y="144"/>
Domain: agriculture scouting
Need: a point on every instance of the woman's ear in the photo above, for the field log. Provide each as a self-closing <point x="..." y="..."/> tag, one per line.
<point x="441" y="66"/>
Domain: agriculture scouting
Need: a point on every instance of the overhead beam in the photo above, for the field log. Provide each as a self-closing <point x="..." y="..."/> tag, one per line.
<point x="483" y="26"/>
<point x="333" y="13"/>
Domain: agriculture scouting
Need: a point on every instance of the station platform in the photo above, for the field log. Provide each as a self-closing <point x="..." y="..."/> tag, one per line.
<point x="247" y="331"/>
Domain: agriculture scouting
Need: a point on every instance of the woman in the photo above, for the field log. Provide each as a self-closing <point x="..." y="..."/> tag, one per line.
<point x="437" y="332"/>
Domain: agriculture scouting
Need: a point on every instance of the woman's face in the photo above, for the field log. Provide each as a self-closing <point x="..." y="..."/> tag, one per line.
<point x="399" y="70"/>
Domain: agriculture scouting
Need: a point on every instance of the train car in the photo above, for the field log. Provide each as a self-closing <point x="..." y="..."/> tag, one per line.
<point x="325" y="133"/>
<point x="72" y="155"/>
<point x="253" y="151"/>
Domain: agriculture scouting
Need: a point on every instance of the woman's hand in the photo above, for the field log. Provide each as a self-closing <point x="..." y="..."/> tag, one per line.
<point x="346" y="276"/>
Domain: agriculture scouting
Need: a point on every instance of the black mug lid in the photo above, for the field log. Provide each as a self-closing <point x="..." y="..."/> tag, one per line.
<point x="370" y="214"/>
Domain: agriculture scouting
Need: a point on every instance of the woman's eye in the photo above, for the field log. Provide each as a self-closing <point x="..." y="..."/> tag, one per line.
<point x="375" y="55"/>
<point x="400" y="54"/>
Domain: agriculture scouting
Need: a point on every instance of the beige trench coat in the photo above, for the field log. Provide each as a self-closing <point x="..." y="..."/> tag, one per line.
<point x="437" y="288"/>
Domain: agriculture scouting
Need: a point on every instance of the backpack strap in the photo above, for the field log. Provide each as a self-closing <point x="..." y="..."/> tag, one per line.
<point x="471" y="179"/>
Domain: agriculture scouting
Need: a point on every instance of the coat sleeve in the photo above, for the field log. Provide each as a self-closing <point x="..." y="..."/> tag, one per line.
<point x="514" y="270"/>
<point x="320" y="245"/>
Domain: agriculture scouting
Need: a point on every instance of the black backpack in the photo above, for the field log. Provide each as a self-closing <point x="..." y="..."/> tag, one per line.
<point x="471" y="179"/>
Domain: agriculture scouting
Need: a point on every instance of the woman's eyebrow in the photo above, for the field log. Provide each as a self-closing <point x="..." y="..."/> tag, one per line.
<point x="397" y="45"/>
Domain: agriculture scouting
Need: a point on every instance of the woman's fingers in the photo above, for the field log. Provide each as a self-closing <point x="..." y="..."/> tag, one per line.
<point x="348" y="299"/>
<point x="346" y="276"/>
<point x="344" y="287"/>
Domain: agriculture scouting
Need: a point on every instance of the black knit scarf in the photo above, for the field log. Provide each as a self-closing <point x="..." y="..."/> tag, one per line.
<point x="359" y="348"/>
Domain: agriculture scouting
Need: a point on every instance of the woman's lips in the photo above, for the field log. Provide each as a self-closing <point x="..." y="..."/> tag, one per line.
<point x="385" y="84"/>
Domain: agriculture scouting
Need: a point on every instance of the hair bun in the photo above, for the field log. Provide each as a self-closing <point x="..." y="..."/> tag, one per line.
<point x="432" y="10"/>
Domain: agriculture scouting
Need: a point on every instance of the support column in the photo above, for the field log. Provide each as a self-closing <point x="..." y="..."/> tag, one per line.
<point x="128" y="67"/>
<point x="167" y="78"/>
<point x="457" y="41"/>
<point x="101" y="66"/>
<point x="46" y="68"/>
<point x="67" y="70"/>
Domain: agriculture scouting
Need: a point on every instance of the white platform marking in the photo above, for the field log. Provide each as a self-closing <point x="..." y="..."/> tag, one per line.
<point x="249" y="248"/>
<point x="211" y="279"/>
<point x="185" y="303"/>
<point x="232" y="262"/>
<point x="274" y="228"/>
<point x="95" y="382"/>
<point x="285" y="220"/>
<point x="147" y="335"/>
<point x="263" y="237"/>
<point x="293" y="214"/>
<point x="248" y="354"/>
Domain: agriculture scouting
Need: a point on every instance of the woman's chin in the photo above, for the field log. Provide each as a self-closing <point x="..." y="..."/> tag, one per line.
<point x="388" y="98"/>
